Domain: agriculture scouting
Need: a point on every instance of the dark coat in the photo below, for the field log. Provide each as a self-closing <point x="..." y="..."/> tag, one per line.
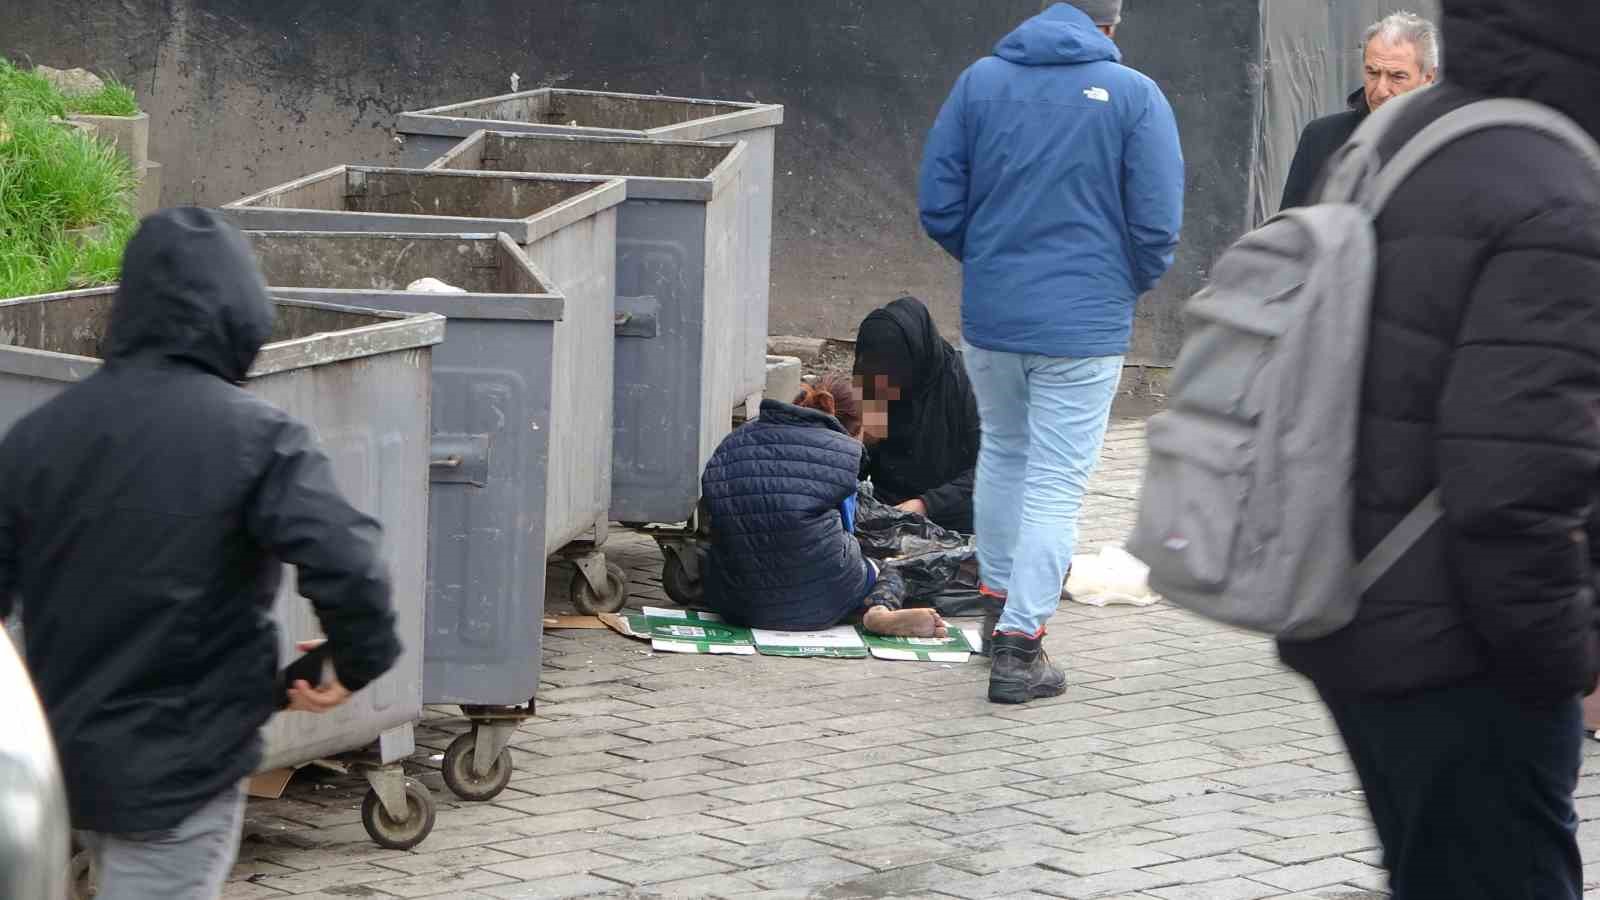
<point x="932" y="448"/>
<point x="1483" y="378"/>
<point x="143" y="516"/>
<point x="781" y="555"/>
<point x="1321" y="139"/>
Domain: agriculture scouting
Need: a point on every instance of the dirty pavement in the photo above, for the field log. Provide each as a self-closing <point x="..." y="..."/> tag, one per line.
<point x="1183" y="764"/>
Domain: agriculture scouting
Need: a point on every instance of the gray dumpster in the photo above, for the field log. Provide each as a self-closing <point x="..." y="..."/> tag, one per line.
<point x="678" y="375"/>
<point x="514" y="475"/>
<point x="567" y="225"/>
<point x="360" y="379"/>
<point x="430" y="133"/>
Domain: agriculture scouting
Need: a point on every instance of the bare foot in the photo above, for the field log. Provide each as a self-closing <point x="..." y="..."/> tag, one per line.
<point x="924" y="623"/>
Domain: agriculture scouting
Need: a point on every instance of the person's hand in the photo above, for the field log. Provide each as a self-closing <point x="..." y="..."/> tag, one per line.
<point x="914" y="506"/>
<point x="325" y="697"/>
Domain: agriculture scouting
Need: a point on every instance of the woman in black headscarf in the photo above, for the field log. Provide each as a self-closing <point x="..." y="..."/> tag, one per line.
<point x="921" y="418"/>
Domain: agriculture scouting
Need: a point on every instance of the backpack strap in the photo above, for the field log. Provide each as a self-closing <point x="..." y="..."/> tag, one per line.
<point x="1483" y="115"/>
<point x="1397" y="543"/>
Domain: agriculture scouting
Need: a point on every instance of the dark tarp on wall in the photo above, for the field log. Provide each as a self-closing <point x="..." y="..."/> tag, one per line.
<point x="244" y="95"/>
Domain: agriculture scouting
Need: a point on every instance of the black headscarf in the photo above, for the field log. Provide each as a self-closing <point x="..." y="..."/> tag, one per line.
<point x="932" y="445"/>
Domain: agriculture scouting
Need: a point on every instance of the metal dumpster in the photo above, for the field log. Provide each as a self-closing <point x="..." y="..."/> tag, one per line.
<point x="360" y="380"/>
<point x="678" y="365"/>
<point x="567" y="225"/>
<point x="428" y="134"/>
<point x="506" y="467"/>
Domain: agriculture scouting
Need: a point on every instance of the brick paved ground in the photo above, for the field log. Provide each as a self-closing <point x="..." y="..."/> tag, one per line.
<point x="1184" y="764"/>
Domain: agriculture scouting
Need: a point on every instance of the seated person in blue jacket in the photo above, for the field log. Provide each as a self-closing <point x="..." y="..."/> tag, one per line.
<point x="921" y="417"/>
<point x="781" y="492"/>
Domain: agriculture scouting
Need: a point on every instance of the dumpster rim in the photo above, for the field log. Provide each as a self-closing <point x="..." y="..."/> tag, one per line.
<point x="640" y="187"/>
<point x="522" y="229"/>
<point x="442" y="110"/>
<point x="395" y="332"/>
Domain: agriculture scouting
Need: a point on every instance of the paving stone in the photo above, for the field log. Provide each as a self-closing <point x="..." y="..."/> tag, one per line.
<point x="670" y="786"/>
<point x="1319" y="874"/>
<point x="1210" y="843"/>
<point x="801" y="873"/>
<point x="1213" y="868"/>
<point x="553" y="865"/>
<point x="769" y="832"/>
<point x="452" y="882"/>
<point x="675" y="868"/>
<point x="900" y="855"/>
<point x="555" y="888"/>
<point x="1312" y="847"/>
<point x="667" y="847"/>
<point x="879" y="836"/>
<point x="756" y="856"/>
<point x="1230" y="889"/>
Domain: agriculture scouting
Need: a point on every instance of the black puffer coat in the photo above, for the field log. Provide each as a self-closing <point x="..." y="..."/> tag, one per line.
<point x="1321" y="139"/>
<point x="780" y="554"/>
<point x="1483" y="378"/>
<point x="143" y="516"/>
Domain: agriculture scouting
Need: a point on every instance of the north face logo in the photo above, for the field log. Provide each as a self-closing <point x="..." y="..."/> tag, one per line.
<point x="1097" y="93"/>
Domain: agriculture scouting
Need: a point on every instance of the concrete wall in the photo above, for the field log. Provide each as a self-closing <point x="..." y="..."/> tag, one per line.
<point x="245" y="94"/>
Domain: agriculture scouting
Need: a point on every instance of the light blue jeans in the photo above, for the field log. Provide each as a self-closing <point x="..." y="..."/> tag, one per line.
<point x="1044" y="422"/>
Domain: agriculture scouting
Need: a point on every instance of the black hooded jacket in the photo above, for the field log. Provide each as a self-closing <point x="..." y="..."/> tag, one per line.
<point x="932" y="447"/>
<point x="143" y="516"/>
<point x="1321" y="139"/>
<point x="1483" y="379"/>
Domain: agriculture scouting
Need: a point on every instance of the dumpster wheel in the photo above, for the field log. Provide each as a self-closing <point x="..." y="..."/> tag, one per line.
<point x="390" y="834"/>
<point x="682" y="588"/>
<point x="463" y="781"/>
<point x="616" y="592"/>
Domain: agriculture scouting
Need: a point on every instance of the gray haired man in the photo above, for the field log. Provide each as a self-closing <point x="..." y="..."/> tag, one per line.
<point x="1400" y="53"/>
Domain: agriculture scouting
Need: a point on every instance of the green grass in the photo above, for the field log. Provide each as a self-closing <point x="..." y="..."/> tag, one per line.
<point x="54" y="180"/>
<point x="115" y="99"/>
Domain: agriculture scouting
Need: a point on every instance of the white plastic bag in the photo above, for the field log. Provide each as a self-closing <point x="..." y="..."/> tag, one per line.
<point x="433" y="286"/>
<point x="1113" y="577"/>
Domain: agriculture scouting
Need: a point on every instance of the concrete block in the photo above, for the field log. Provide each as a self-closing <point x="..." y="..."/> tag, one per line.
<point x="149" y="199"/>
<point x="807" y="349"/>
<point x="130" y="134"/>
<point x="783" y="377"/>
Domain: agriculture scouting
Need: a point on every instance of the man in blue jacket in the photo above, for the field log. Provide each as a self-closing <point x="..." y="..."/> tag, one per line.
<point x="1054" y="174"/>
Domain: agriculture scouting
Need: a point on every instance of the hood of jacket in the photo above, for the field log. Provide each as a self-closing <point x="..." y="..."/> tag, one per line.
<point x="1548" y="52"/>
<point x="190" y="292"/>
<point x="1062" y="35"/>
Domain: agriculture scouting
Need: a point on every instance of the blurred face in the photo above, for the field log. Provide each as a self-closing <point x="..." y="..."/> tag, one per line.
<point x="1392" y="70"/>
<point x="876" y="393"/>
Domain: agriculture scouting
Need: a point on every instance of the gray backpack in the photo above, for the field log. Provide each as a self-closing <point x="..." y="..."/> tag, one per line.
<point x="1247" y="505"/>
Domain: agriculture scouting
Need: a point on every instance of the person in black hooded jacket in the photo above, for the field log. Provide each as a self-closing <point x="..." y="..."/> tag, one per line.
<point x="921" y="417"/>
<point x="1457" y="686"/>
<point x="145" y="516"/>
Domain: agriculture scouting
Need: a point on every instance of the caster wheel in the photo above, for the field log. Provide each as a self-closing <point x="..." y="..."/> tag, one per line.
<point x="393" y="835"/>
<point x="82" y="879"/>
<point x="616" y="595"/>
<point x="467" y="784"/>
<point x="682" y="589"/>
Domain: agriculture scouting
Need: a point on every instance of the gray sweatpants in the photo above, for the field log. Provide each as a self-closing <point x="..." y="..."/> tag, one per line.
<point x="188" y="862"/>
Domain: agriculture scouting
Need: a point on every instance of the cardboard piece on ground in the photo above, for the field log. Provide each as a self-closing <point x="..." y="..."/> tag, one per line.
<point x="269" y="785"/>
<point x="839" y="642"/>
<point x="586" y="623"/>
<point x="953" y="649"/>
<point x="687" y="631"/>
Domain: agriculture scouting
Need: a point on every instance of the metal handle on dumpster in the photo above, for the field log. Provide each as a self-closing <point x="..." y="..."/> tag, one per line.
<point x="638" y="317"/>
<point x="459" y="459"/>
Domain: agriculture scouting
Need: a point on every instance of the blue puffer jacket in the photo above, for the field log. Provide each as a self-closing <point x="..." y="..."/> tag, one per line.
<point x="1054" y="174"/>
<point x="782" y="555"/>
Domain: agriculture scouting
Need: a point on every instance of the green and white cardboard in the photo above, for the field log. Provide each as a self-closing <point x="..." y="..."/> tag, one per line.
<point x="687" y="631"/>
<point x="839" y="642"/>
<point x="955" y="648"/>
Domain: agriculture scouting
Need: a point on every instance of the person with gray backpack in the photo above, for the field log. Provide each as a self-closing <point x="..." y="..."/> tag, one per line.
<point x="1383" y="447"/>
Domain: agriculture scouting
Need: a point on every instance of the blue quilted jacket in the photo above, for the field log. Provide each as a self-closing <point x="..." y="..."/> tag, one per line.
<point x="782" y="555"/>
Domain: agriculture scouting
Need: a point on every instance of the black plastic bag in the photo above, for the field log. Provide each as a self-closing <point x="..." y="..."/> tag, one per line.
<point x="940" y="567"/>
